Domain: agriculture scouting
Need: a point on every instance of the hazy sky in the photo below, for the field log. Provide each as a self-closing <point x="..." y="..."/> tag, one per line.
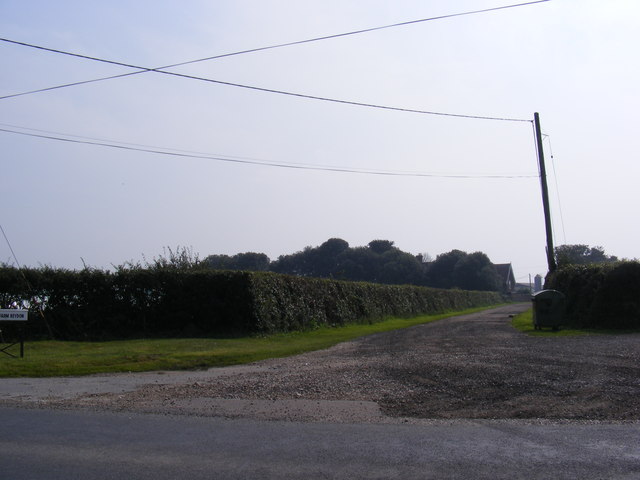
<point x="575" y="62"/>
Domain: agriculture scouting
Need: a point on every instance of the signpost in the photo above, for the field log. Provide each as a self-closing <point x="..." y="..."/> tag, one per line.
<point x="13" y="317"/>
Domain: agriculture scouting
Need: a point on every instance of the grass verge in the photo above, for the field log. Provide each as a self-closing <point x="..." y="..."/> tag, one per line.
<point x="53" y="358"/>
<point x="524" y="323"/>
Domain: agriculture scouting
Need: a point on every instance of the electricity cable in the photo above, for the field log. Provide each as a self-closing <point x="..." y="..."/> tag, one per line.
<point x="267" y="90"/>
<point x="162" y="69"/>
<point x="24" y="277"/>
<point x="11" y="249"/>
<point x="355" y="32"/>
<point x="555" y="178"/>
<point x="309" y="40"/>
<point x="239" y="160"/>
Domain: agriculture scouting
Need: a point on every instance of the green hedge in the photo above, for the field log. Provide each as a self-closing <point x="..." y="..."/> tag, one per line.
<point x="283" y="302"/>
<point x="98" y="305"/>
<point x="600" y="295"/>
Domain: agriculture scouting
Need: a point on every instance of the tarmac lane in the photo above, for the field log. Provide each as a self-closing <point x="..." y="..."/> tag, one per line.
<point x="41" y="444"/>
<point x="232" y="423"/>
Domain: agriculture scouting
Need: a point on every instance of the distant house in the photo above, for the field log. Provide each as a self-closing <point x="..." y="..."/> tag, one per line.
<point x="524" y="287"/>
<point x="507" y="279"/>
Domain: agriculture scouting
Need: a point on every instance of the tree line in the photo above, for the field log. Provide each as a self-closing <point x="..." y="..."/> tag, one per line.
<point x="380" y="261"/>
<point x="580" y="254"/>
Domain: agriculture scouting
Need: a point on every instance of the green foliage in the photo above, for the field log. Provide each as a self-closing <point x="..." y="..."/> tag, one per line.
<point x="249" y="261"/>
<point x="440" y="272"/>
<point x="458" y="269"/>
<point x="93" y="304"/>
<point x="524" y="323"/>
<point x="152" y="302"/>
<point x="581" y="255"/>
<point x="605" y="295"/>
<point x="325" y="261"/>
<point x="291" y="303"/>
<point x="180" y="258"/>
<point x="47" y="358"/>
<point x="381" y="246"/>
<point x="379" y="262"/>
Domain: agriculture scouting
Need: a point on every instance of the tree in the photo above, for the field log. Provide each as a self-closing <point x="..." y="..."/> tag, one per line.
<point x="293" y="264"/>
<point x="440" y="272"/>
<point x="322" y="261"/>
<point x="357" y="264"/>
<point x="256" y="262"/>
<point x="333" y="247"/>
<point x="458" y="269"/>
<point x="580" y="254"/>
<point x="398" y="267"/>
<point x="378" y="262"/>
<point x="476" y="272"/>
<point x="218" y="262"/>
<point x="249" y="261"/>
<point x="380" y="246"/>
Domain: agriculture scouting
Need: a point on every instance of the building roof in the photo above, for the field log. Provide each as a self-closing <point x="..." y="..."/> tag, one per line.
<point x="506" y="275"/>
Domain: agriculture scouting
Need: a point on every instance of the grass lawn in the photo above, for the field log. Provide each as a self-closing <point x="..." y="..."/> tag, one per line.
<point x="53" y="358"/>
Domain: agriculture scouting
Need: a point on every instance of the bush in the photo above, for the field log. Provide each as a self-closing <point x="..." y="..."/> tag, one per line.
<point x="600" y="295"/>
<point x="137" y="302"/>
<point x="283" y="302"/>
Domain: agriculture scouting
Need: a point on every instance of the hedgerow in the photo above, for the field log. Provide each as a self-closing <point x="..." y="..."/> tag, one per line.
<point x="93" y="304"/>
<point x="603" y="295"/>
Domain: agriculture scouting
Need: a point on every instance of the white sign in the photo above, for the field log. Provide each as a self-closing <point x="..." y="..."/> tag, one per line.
<point x="9" y="315"/>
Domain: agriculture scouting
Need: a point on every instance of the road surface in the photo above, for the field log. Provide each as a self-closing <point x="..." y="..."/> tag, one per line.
<point x="67" y="445"/>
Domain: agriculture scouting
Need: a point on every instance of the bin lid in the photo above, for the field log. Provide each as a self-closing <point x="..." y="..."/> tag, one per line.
<point x="548" y="294"/>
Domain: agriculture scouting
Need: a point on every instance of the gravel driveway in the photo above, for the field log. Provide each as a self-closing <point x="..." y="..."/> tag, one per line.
<point x="468" y="367"/>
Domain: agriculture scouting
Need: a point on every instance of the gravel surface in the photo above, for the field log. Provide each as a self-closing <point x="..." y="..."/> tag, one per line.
<point x="469" y="367"/>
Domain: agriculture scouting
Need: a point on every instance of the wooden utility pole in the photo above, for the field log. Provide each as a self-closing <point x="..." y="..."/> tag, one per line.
<point x="551" y="260"/>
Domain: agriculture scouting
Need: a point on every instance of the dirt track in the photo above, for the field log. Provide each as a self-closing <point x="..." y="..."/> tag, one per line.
<point x="469" y="367"/>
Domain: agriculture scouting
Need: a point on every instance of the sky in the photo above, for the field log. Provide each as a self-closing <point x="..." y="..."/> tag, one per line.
<point x="430" y="183"/>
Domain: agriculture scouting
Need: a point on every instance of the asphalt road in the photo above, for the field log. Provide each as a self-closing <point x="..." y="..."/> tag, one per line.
<point x="55" y="444"/>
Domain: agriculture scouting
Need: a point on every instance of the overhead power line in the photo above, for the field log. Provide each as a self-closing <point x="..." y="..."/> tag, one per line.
<point x="261" y="89"/>
<point x="317" y="39"/>
<point x="555" y="177"/>
<point x="10" y="248"/>
<point x="240" y="160"/>
<point x="163" y="68"/>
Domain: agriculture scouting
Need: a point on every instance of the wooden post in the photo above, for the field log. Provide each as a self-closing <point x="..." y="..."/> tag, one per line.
<point x="551" y="260"/>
